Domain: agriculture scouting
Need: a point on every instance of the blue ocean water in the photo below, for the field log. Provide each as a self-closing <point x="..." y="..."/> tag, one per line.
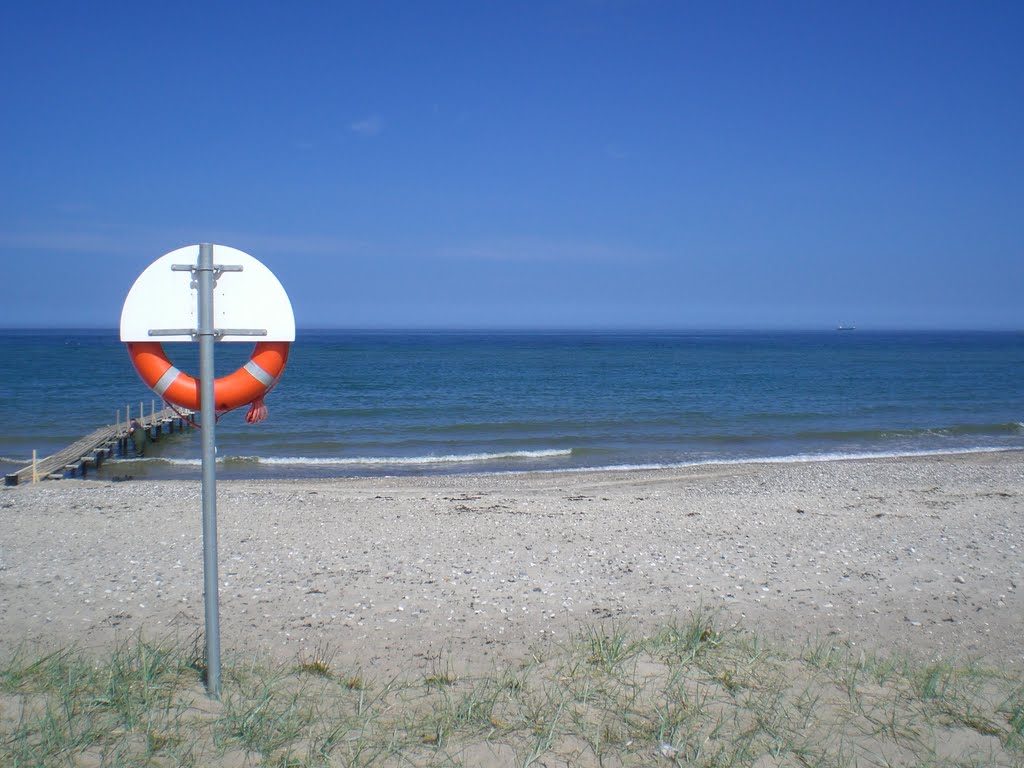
<point x="388" y="403"/>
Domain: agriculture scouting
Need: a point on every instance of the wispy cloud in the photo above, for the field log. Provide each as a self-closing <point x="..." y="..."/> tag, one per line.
<point x="156" y="243"/>
<point x="306" y="245"/>
<point x="615" y="152"/>
<point x="545" y="250"/>
<point x="367" y="126"/>
<point x="153" y="243"/>
<point x="77" y="242"/>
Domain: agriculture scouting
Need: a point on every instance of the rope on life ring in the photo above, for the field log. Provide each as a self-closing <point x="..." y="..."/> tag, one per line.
<point x="246" y="386"/>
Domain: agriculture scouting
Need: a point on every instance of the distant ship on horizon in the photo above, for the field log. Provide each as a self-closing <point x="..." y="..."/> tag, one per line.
<point x="845" y="327"/>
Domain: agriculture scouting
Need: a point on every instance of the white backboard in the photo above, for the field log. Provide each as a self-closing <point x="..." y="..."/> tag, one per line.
<point x="163" y="299"/>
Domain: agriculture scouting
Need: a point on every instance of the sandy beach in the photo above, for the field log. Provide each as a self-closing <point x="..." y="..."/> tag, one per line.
<point x="920" y="555"/>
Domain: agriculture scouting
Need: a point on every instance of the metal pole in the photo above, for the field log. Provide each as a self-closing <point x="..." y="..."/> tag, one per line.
<point x="208" y="416"/>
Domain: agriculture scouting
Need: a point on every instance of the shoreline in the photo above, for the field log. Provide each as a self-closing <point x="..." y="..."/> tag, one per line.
<point x="918" y="555"/>
<point x="447" y="465"/>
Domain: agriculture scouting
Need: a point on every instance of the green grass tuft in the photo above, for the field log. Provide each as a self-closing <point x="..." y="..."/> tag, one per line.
<point x="690" y="693"/>
<point x="316" y="662"/>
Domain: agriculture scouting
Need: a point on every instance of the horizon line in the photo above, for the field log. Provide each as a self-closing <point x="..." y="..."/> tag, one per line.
<point x="571" y="329"/>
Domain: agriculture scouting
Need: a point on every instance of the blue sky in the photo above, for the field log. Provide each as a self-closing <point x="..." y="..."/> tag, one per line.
<point x="566" y="163"/>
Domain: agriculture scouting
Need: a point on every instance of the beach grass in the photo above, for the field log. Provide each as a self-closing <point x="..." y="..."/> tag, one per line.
<point x="693" y="692"/>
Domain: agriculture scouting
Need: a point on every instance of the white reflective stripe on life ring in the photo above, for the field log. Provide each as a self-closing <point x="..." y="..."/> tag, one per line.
<point x="166" y="380"/>
<point x="254" y="370"/>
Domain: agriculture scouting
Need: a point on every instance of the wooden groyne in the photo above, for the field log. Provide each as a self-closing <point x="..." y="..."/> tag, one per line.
<point x="106" y="442"/>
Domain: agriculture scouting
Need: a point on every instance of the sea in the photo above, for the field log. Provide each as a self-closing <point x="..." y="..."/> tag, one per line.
<point x="386" y="403"/>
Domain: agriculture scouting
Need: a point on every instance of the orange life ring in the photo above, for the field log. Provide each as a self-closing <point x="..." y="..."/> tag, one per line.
<point x="246" y="385"/>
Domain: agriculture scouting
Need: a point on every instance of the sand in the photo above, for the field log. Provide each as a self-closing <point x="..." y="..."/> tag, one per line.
<point x="920" y="555"/>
